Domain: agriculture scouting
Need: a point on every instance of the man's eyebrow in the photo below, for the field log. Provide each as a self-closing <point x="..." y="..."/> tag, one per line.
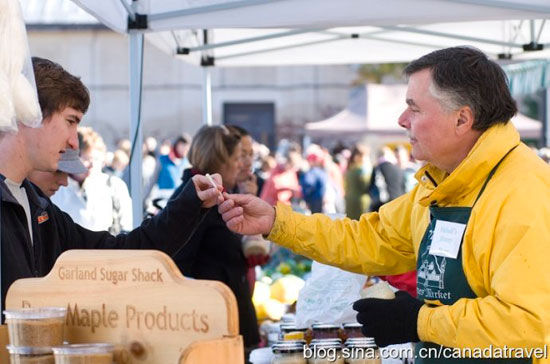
<point x="73" y="116"/>
<point x="410" y="102"/>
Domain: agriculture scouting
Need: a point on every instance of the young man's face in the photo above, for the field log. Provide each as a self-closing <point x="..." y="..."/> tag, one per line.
<point x="47" y="142"/>
<point x="49" y="182"/>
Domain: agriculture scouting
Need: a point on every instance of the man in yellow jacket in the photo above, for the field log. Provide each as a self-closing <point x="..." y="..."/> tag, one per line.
<point x="476" y="227"/>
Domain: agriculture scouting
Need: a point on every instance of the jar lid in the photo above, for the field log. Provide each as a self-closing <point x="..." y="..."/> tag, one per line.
<point x="336" y="340"/>
<point x="83" y="349"/>
<point x="291" y="346"/>
<point x="352" y="325"/>
<point x="327" y="343"/>
<point x="291" y="327"/>
<point x="29" y="350"/>
<point x="324" y="327"/>
<point x="36" y="313"/>
<point x="361" y="342"/>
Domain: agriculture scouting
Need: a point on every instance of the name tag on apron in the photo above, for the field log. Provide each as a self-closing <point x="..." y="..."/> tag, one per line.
<point x="446" y="239"/>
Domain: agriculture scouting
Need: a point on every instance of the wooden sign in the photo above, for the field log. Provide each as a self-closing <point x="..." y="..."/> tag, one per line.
<point x="4" y="357"/>
<point x="137" y="299"/>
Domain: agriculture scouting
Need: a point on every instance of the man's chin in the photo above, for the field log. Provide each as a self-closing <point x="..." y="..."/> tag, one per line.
<point x="417" y="155"/>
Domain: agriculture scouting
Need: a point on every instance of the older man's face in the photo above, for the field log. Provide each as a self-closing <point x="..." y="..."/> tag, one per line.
<point x="431" y="128"/>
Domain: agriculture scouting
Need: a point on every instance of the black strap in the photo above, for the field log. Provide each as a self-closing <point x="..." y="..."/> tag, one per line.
<point x="491" y="175"/>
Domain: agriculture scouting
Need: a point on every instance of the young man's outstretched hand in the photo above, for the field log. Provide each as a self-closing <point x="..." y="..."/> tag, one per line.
<point x="247" y="214"/>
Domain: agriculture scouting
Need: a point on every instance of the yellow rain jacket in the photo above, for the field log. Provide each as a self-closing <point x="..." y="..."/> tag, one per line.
<point x="506" y="248"/>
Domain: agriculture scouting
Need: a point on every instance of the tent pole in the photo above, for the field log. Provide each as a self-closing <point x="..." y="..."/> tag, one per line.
<point x="547" y="117"/>
<point x="206" y="61"/>
<point x="136" y="134"/>
<point x="207" y="96"/>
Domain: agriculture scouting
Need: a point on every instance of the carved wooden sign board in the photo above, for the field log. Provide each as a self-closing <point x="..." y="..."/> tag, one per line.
<point x="138" y="300"/>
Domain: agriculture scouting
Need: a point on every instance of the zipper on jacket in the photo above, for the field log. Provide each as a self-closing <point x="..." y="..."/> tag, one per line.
<point x="431" y="178"/>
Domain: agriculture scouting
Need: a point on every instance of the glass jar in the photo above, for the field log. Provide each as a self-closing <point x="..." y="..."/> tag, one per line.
<point x="38" y="327"/>
<point x="289" y="352"/>
<point x="325" y="331"/>
<point x="99" y="353"/>
<point x="362" y="351"/>
<point x="326" y="351"/>
<point x="352" y="330"/>
<point x="30" y="355"/>
<point x="291" y="332"/>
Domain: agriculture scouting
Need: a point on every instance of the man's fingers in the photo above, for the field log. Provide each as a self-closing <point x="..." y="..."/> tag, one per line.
<point x="238" y="198"/>
<point x="217" y="178"/>
<point x="234" y="223"/>
<point x="227" y="205"/>
<point x="237" y="211"/>
<point x="363" y="318"/>
<point x="360" y="304"/>
<point x="207" y="194"/>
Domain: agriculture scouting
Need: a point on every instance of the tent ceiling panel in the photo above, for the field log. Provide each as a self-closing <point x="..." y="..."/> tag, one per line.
<point x="247" y="47"/>
<point x="209" y="14"/>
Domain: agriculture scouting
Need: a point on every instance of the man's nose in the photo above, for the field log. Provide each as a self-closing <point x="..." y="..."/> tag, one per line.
<point x="403" y="120"/>
<point x="73" y="140"/>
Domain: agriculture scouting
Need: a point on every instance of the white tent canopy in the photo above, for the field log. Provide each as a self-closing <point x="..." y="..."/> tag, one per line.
<point x="372" y="44"/>
<point x="211" y="14"/>
<point x="275" y="32"/>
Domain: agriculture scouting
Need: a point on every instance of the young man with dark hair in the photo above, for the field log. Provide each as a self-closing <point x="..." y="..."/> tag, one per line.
<point x="34" y="232"/>
<point x="475" y="227"/>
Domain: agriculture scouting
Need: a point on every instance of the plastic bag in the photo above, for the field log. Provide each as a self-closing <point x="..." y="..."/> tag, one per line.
<point x="18" y="97"/>
<point x="328" y="296"/>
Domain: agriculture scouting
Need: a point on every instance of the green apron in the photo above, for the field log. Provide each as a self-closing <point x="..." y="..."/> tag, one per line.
<point x="441" y="278"/>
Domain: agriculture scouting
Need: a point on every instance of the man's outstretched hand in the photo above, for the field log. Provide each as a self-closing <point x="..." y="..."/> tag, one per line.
<point x="209" y="195"/>
<point x="247" y="214"/>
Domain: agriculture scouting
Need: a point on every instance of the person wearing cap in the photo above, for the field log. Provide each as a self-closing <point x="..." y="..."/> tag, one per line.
<point x="34" y="232"/>
<point x="475" y="227"/>
<point x="49" y="182"/>
<point x="95" y="200"/>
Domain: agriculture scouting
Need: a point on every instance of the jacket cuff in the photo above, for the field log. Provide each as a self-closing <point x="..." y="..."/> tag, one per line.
<point x="188" y="196"/>
<point x="281" y="226"/>
<point x="422" y="324"/>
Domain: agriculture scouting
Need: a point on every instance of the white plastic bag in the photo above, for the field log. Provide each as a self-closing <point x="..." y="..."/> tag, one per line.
<point x="328" y="296"/>
<point x="18" y="97"/>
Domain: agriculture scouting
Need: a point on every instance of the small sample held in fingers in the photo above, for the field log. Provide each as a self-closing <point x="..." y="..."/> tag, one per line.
<point x="211" y="180"/>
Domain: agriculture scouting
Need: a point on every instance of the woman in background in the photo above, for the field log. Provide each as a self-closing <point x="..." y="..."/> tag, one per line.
<point x="214" y="252"/>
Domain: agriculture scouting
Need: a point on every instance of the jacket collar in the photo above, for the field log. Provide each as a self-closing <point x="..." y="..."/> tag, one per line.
<point x="470" y="174"/>
<point x="32" y="193"/>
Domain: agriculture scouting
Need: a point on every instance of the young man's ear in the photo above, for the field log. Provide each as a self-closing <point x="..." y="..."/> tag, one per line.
<point x="465" y="119"/>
